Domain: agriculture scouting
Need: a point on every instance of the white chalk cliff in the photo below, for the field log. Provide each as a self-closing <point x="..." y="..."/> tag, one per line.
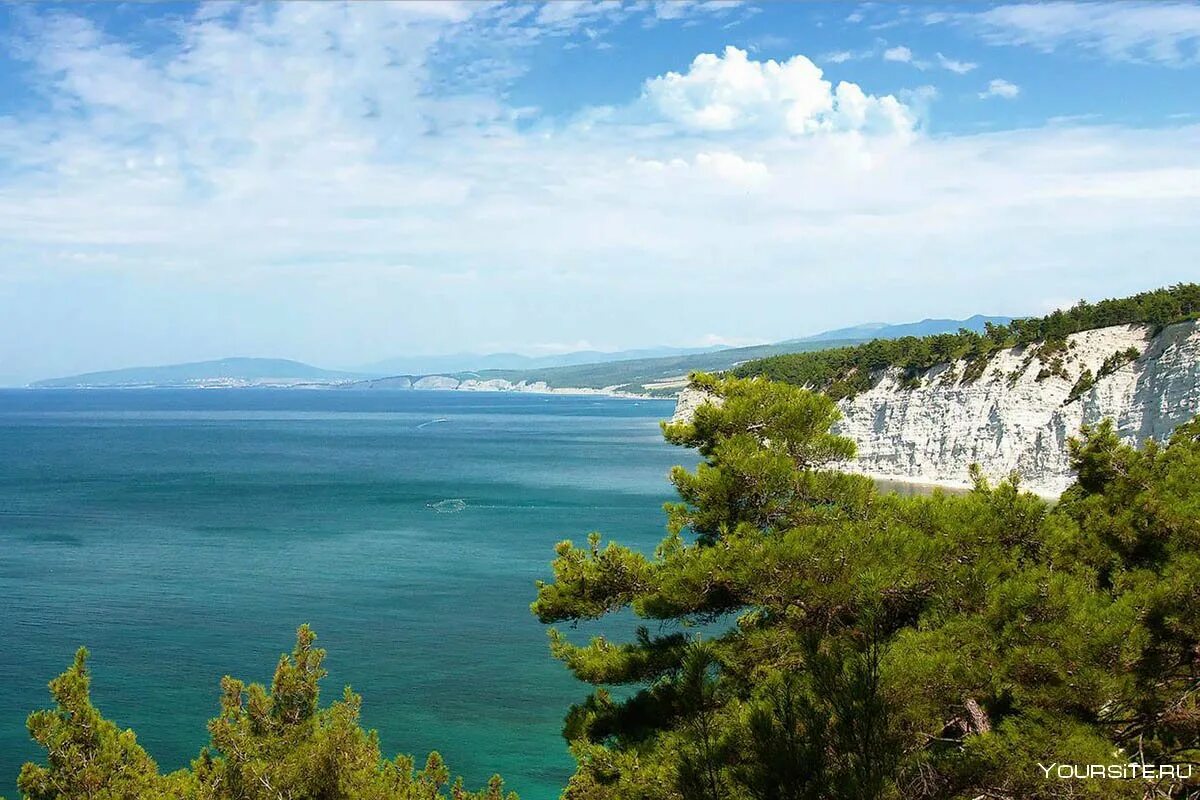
<point x="1018" y="414"/>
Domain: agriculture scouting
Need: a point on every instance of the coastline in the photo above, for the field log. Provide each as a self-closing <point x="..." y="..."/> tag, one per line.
<point x="951" y="485"/>
<point x="207" y="386"/>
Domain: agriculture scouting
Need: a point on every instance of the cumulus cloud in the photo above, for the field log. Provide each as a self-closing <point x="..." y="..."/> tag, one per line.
<point x="1158" y="32"/>
<point x="998" y="87"/>
<point x="730" y="92"/>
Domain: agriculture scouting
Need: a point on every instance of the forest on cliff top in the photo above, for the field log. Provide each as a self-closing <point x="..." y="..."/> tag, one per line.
<point x="846" y="371"/>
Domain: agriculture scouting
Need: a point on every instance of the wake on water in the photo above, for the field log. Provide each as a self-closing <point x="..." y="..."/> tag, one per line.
<point x="432" y="422"/>
<point x="451" y="506"/>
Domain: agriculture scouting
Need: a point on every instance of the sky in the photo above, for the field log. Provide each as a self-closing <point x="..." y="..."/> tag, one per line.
<point x="343" y="183"/>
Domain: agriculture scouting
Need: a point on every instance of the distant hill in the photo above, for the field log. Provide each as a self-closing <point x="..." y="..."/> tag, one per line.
<point x="926" y="327"/>
<point x="655" y="370"/>
<point x="222" y="372"/>
<point x="664" y="376"/>
<point x="487" y="362"/>
<point x="463" y="362"/>
<point x="661" y="375"/>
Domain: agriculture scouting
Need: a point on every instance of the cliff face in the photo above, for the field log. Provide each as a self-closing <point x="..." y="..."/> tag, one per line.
<point x="1019" y="413"/>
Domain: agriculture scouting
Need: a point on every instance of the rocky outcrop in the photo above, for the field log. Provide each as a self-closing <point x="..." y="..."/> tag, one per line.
<point x="435" y="382"/>
<point x="688" y="401"/>
<point x="1018" y="414"/>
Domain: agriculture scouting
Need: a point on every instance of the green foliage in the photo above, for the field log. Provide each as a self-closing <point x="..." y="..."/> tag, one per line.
<point x="1117" y="360"/>
<point x="87" y="755"/>
<point x="865" y="645"/>
<point x="1083" y="384"/>
<point x="1052" y="355"/>
<point x="761" y="447"/>
<point x="846" y="371"/>
<point x="265" y="745"/>
<point x="1087" y="380"/>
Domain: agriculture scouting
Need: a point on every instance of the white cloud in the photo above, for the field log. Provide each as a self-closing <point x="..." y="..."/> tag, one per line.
<point x="728" y="169"/>
<point x="676" y="9"/>
<point x="559" y="348"/>
<point x="955" y="66"/>
<point x="570" y="11"/>
<point x="903" y="55"/>
<point x="305" y="180"/>
<point x="716" y="339"/>
<point x="998" y="87"/>
<point x="733" y="168"/>
<point x="1161" y="32"/>
<point x="730" y="92"/>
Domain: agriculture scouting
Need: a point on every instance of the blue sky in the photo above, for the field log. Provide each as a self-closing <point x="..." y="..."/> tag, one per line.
<point x="345" y="183"/>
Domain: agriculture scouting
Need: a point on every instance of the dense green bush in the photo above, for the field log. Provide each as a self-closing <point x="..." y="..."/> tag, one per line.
<point x="267" y="744"/>
<point x="846" y="371"/>
<point x="810" y="637"/>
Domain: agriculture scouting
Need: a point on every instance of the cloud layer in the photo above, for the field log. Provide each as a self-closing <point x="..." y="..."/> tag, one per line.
<point x="1159" y="31"/>
<point x="343" y="183"/>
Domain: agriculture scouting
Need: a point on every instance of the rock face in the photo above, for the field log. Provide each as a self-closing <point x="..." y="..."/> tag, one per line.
<point x="688" y="401"/>
<point x="1018" y="414"/>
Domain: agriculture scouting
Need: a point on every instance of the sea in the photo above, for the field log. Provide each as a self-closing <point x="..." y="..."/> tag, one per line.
<point x="182" y="535"/>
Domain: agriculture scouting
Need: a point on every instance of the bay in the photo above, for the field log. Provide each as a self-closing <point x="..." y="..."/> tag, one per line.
<point x="184" y="534"/>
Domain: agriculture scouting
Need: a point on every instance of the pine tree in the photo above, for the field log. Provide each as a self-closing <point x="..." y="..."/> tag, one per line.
<point x="266" y="744"/>
<point x="815" y="638"/>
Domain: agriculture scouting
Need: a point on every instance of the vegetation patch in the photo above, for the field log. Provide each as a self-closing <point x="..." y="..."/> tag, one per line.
<point x="879" y="647"/>
<point x="265" y="744"/>
<point x="847" y="371"/>
<point x="1055" y="368"/>
<point x="1111" y="364"/>
<point x="975" y="368"/>
<point x="1118" y="360"/>
<point x="1083" y="385"/>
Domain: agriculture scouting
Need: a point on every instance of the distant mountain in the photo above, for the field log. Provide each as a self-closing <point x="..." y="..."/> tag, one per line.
<point x="223" y="372"/>
<point x="657" y="373"/>
<point x="478" y="362"/>
<point x="654" y="370"/>
<point x="663" y="375"/>
<point x="926" y="327"/>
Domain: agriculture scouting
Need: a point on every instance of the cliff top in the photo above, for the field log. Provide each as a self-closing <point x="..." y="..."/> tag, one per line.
<point x="847" y="371"/>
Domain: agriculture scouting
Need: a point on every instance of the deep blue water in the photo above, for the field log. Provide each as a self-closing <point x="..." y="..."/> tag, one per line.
<point x="183" y="535"/>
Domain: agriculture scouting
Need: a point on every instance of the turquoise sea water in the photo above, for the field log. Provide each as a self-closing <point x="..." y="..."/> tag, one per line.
<point x="183" y="535"/>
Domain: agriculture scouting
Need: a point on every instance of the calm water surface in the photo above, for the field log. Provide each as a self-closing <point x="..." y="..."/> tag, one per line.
<point x="183" y="535"/>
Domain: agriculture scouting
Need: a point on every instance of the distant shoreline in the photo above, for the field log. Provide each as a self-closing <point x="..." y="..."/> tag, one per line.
<point x="574" y="391"/>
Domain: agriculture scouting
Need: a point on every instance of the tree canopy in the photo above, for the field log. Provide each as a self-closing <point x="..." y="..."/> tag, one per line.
<point x="266" y="744"/>
<point x="810" y="637"/>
